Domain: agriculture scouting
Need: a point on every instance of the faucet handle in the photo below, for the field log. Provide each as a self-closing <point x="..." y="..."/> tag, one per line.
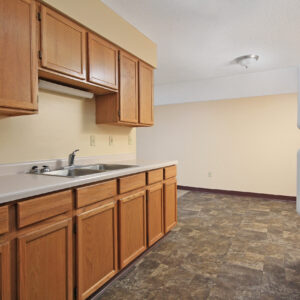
<point x="75" y="151"/>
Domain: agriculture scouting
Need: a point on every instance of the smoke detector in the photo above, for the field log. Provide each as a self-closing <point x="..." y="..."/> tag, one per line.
<point x="246" y="60"/>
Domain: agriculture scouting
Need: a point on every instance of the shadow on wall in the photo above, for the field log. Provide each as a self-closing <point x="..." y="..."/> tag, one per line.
<point x="63" y="124"/>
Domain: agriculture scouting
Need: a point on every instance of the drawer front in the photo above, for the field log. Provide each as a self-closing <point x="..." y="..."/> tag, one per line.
<point x="132" y="182"/>
<point x="155" y="176"/>
<point x="4" y="219"/>
<point x="44" y="207"/>
<point x="170" y="172"/>
<point x="96" y="192"/>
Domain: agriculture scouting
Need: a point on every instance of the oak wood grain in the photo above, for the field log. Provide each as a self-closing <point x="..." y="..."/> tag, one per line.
<point x="132" y="182"/>
<point x="154" y="176"/>
<point x="155" y="213"/>
<point x="45" y="263"/>
<point x="93" y="193"/>
<point x="132" y="227"/>
<point x="170" y="204"/>
<point x="128" y="90"/>
<point x="5" y="288"/>
<point x="145" y="94"/>
<point x="43" y="207"/>
<point x="103" y="65"/>
<point x="4" y="221"/>
<point x="97" y="247"/>
<point x="18" y="56"/>
<point x="63" y="44"/>
<point x="170" y="172"/>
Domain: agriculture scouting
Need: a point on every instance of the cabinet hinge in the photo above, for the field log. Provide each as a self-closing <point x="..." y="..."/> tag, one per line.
<point x="75" y="293"/>
<point x="40" y="54"/>
<point x="74" y="229"/>
<point x="38" y="15"/>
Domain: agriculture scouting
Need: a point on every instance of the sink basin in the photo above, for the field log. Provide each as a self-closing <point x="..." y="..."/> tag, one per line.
<point x="107" y="167"/>
<point x="77" y="171"/>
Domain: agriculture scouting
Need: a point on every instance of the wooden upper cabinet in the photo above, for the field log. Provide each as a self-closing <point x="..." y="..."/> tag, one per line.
<point x="97" y="250"/>
<point x="102" y="62"/>
<point x="63" y="44"/>
<point x="128" y="91"/>
<point x="18" y="56"/>
<point x="133" y="104"/>
<point x="145" y="94"/>
<point x="45" y="263"/>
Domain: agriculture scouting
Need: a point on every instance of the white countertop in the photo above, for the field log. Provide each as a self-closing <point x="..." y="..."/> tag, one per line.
<point x="20" y="186"/>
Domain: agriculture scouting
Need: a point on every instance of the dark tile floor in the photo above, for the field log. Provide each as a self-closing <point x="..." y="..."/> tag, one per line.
<point x="224" y="247"/>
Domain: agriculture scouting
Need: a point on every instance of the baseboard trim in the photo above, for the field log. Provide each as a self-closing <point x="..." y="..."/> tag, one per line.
<point x="237" y="193"/>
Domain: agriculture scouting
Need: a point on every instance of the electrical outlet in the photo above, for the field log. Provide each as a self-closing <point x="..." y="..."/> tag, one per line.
<point x="110" y="140"/>
<point x="130" y="142"/>
<point x="92" y="141"/>
<point x="209" y="174"/>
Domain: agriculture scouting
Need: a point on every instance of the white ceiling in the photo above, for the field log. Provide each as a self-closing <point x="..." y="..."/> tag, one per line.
<point x="198" y="39"/>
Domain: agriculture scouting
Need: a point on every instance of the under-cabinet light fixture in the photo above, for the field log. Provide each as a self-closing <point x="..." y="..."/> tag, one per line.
<point x="62" y="89"/>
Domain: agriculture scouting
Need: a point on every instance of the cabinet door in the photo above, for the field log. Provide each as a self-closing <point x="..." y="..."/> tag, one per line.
<point x="96" y="248"/>
<point x="170" y="204"/>
<point x="145" y="94"/>
<point x="4" y="272"/>
<point x="18" y="55"/>
<point x="103" y="62"/>
<point x="155" y="217"/>
<point x="45" y="263"/>
<point x="132" y="224"/>
<point x="128" y="91"/>
<point x="63" y="44"/>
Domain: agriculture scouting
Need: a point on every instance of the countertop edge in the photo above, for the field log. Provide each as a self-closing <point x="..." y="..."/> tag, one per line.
<point x="65" y="183"/>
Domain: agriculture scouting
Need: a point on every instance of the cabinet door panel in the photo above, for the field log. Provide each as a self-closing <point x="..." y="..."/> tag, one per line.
<point x="155" y="215"/>
<point x="45" y="263"/>
<point x="18" y="55"/>
<point x="103" y="62"/>
<point x="96" y="248"/>
<point x="128" y="92"/>
<point x="4" y="272"/>
<point x="132" y="218"/>
<point x="145" y="94"/>
<point x="170" y="204"/>
<point x="63" y="44"/>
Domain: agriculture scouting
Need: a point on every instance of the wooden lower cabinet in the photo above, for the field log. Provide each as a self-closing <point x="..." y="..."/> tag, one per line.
<point x="170" y="204"/>
<point x="45" y="263"/>
<point x="97" y="250"/>
<point x="5" y="272"/>
<point x="132" y="227"/>
<point x="155" y="216"/>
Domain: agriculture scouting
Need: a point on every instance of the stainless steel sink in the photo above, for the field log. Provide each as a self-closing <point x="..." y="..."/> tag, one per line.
<point x="77" y="171"/>
<point x="107" y="167"/>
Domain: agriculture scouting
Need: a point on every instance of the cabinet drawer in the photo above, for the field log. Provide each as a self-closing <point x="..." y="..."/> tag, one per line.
<point x="96" y="192"/>
<point x="155" y="176"/>
<point x="4" y="219"/>
<point x="132" y="182"/>
<point x="170" y="172"/>
<point x="44" y="207"/>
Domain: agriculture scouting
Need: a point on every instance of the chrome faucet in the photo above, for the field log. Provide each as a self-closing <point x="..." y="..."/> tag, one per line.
<point x="72" y="158"/>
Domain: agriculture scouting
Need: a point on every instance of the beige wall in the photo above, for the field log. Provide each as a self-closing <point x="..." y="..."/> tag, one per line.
<point x="62" y="125"/>
<point x="95" y="15"/>
<point x="247" y="144"/>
